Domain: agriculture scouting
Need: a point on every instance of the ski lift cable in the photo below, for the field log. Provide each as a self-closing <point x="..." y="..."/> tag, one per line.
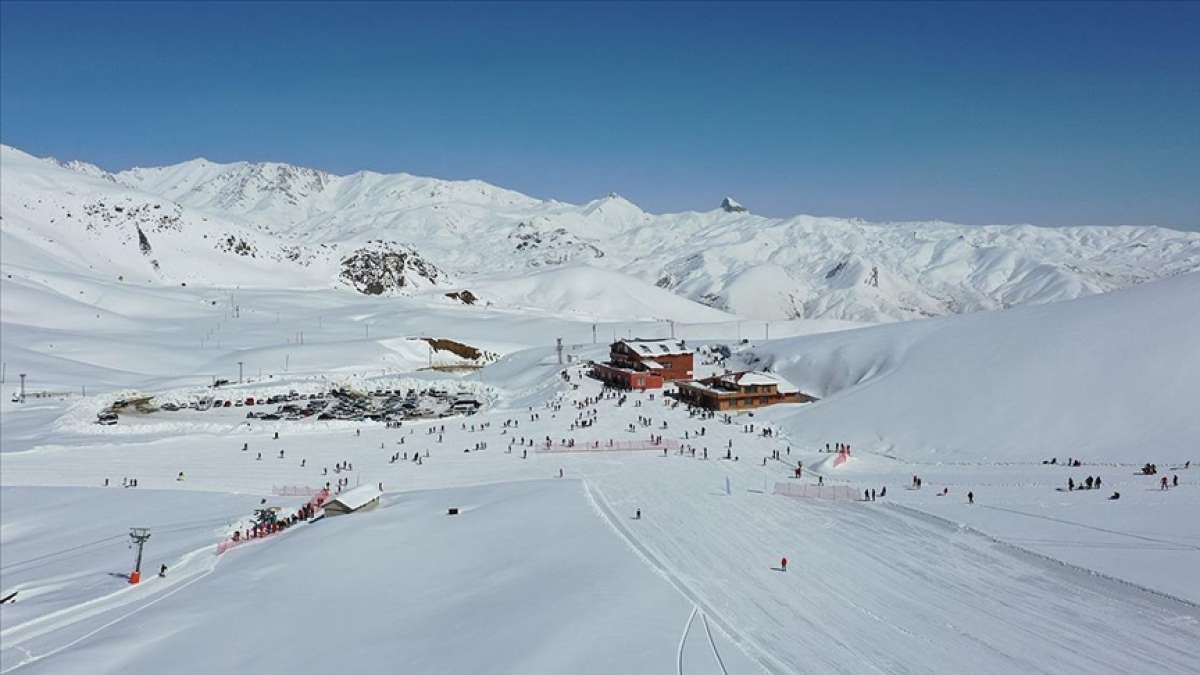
<point x="54" y="554"/>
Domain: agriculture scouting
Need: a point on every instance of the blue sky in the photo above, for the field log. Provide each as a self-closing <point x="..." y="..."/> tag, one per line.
<point x="1066" y="113"/>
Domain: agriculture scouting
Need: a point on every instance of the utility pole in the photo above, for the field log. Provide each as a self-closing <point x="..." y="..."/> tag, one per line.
<point x="558" y="348"/>
<point x="239" y="372"/>
<point x="672" y="322"/>
<point x="286" y="358"/>
<point x="766" y="330"/>
<point x="593" y="333"/>
<point x="139" y="535"/>
<point x="22" y="387"/>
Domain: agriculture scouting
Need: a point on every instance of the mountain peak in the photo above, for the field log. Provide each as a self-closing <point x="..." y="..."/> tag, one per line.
<point x="730" y="205"/>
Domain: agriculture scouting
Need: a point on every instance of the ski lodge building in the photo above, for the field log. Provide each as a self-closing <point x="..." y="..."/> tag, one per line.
<point x="361" y="498"/>
<point x="739" y="391"/>
<point x="645" y="364"/>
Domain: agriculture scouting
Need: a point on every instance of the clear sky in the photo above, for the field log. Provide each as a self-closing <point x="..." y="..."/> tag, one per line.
<point x="1062" y="113"/>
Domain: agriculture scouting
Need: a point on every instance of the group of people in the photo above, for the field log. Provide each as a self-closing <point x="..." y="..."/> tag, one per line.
<point x="1089" y="483"/>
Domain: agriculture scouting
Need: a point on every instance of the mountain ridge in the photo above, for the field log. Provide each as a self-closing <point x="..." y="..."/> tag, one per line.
<point x="462" y="232"/>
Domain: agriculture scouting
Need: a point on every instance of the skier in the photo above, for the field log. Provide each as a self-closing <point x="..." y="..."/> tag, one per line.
<point x="970" y="497"/>
<point x="179" y="477"/>
<point x="560" y="472"/>
<point x="637" y="515"/>
<point x="276" y="435"/>
<point x="1164" y="483"/>
<point x="883" y="491"/>
<point x="872" y="494"/>
<point x="1175" y="480"/>
<point x="162" y="571"/>
<point x="1115" y="495"/>
<point x="783" y="565"/>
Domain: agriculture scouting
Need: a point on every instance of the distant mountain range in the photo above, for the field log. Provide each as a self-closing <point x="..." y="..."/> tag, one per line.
<point x="278" y="225"/>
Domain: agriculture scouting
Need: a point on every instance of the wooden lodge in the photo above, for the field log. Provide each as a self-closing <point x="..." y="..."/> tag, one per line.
<point x="740" y="391"/>
<point x="645" y="364"/>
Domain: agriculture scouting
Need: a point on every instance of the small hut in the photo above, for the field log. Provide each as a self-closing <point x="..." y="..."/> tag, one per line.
<point x="361" y="498"/>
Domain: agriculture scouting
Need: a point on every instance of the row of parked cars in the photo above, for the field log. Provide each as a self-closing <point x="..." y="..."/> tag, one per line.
<point x="379" y="405"/>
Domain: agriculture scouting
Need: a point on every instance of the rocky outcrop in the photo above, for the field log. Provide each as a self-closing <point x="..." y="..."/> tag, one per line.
<point x="387" y="268"/>
<point x="729" y="205"/>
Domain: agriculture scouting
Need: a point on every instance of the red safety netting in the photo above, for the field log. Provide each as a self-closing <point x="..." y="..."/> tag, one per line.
<point x="808" y="490"/>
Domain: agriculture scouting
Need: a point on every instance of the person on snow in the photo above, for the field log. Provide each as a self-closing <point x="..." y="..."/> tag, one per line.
<point x="1175" y="480"/>
<point x="1115" y="495"/>
<point x="1164" y="483"/>
<point x="637" y="515"/>
<point x="180" y="476"/>
<point x="970" y="497"/>
<point x="162" y="571"/>
<point x="783" y="564"/>
<point x="276" y="435"/>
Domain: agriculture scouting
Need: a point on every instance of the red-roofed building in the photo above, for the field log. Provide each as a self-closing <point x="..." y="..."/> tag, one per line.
<point x="645" y="364"/>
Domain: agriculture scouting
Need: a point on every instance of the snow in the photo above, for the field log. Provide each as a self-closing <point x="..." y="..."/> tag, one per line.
<point x="541" y="574"/>
<point x="357" y="497"/>
<point x="758" y="378"/>
<point x="276" y="225"/>
<point x="657" y="347"/>
<point x="1110" y="378"/>
<point x="449" y="586"/>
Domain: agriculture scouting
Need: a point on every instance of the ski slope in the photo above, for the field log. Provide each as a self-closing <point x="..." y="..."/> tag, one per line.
<point x="542" y="574"/>
<point x="878" y="586"/>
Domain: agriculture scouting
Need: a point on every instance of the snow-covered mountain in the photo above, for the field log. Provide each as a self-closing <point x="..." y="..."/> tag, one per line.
<point x="271" y="224"/>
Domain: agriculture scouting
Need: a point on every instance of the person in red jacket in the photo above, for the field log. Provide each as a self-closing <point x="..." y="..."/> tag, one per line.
<point x="783" y="565"/>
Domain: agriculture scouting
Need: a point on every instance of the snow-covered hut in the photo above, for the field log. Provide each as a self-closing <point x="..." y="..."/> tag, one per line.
<point x="361" y="498"/>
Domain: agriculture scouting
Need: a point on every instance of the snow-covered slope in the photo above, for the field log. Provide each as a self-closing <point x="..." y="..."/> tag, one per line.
<point x="1110" y="378"/>
<point x="591" y="293"/>
<point x="297" y="226"/>
<point x="75" y="218"/>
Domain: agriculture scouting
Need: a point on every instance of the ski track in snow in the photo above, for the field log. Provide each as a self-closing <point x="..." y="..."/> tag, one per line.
<point x="870" y="589"/>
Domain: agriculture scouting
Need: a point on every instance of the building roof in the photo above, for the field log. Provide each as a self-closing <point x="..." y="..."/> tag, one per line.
<point x="664" y="347"/>
<point x="748" y="378"/>
<point x="357" y="497"/>
<point x="652" y="364"/>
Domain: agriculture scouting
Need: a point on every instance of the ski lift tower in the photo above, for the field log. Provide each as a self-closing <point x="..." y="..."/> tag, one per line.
<point x="139" y="535"/>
